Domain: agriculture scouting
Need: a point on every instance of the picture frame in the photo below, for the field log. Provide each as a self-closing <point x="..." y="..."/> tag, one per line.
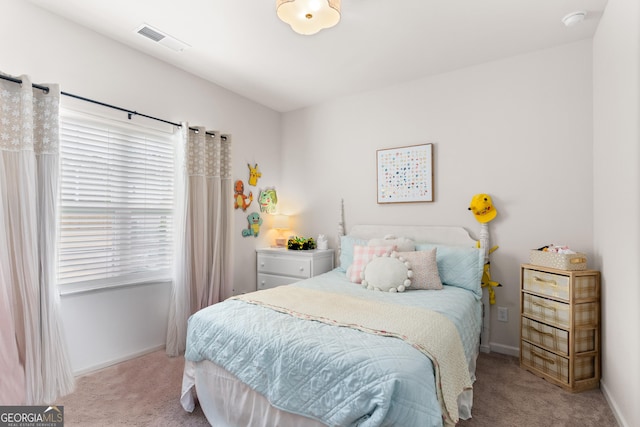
<point x="405" y="174"/>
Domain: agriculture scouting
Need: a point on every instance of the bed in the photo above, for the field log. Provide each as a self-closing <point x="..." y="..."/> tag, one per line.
<point x="328" y="351"/>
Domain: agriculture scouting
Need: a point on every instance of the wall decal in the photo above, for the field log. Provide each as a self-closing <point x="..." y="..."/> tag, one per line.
<point x="254" y="174"/>
<point x="240" y="200"/>
<point x="268" y="200"/>
<point x="254" y="225"/>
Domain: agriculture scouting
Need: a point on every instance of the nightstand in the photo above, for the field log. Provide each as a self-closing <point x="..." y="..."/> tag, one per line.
<point x="280" y="266"/>
<point x="560" y="325"/>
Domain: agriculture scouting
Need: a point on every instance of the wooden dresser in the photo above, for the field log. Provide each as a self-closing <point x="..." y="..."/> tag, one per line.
<point x="560" y="326"/>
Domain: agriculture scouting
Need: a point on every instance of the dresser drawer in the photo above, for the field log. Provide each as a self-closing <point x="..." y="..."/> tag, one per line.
<point x="548" y="311"/>
<point x="286" y="266"/>
<point x="266" y="281"/>
<point x="585" y="286"/>
<point x="551" y="338"/>
<point x="558" y="313"/>
<point x="551" y="364"/>
<point x="540" y="282"/>
<point x="557" y="340"/>
<point x="557" y="367"/>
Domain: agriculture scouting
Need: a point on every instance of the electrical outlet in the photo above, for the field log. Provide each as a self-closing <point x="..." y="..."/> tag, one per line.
<point x="503" y="314"/>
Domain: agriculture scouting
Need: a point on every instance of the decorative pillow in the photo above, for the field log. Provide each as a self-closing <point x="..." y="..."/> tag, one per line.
<point x="388" y="272"/>
<point x="402" y="243"/>
<point x="459" y="266"/>
<point x="361" y="256"/>
<point x="424" y="267"/>
<point x="346" y="250"/>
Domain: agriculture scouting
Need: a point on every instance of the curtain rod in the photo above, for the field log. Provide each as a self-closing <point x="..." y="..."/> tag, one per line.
<point x="93" y="101"/>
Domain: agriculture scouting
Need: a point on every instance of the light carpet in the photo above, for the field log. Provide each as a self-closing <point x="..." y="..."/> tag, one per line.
<point x="145" y="392"/>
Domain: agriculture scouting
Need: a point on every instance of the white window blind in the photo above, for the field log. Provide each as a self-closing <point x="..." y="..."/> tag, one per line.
<point x="116" y="204"/>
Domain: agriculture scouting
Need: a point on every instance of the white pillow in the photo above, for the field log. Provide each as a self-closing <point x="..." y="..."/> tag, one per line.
<point x="401" y="243"/>
<point x="387" y="273"/>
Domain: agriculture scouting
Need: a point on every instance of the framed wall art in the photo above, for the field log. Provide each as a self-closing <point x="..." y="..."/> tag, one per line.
<point x="405" y="174"/>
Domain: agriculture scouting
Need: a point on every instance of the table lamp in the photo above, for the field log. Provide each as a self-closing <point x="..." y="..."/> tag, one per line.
<point x="280" y="224"/>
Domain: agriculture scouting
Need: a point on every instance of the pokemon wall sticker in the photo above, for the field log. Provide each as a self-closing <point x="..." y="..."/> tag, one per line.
<point x="240" y="200"/>
<point x="254" y="174"/>
<point x="268" y="200"/>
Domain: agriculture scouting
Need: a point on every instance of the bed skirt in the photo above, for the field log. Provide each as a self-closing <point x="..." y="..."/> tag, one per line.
<point x="227" y="402"/>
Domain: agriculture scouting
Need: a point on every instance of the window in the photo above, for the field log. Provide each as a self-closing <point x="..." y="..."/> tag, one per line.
<point x="116" y="205"/>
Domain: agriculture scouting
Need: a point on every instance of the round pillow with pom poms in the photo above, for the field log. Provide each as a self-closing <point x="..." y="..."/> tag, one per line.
<point x="389" y="273"/>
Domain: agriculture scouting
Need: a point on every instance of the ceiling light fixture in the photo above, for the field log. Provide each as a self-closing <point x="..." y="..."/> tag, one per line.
<point x="309" y="16"/>
<point x="574" y="18"/>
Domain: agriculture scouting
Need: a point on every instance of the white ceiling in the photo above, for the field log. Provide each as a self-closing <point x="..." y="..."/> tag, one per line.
<point x="242" y="45"/>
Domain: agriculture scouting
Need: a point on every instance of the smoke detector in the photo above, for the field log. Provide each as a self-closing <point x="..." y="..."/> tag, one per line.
<point x="161" y="37"/>
<point x="574" y="18"/>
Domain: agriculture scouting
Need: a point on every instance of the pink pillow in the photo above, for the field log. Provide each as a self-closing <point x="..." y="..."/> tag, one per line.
<point x="361" y="256"/>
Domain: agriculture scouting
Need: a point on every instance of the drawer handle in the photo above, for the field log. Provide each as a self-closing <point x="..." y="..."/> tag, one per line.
<point x="543" y="305"/>
<point x="534" y="329"/>
<point x="548" y="281"/>
<point x="301" y="268"/>
<point x="262" y="264"/>
<point x="545" y="358"/>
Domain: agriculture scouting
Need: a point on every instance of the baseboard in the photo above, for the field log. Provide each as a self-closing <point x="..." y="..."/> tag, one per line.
<point x="505" y="349"/>
<point x="112" y="362"/>
<point x="612" y="404"/>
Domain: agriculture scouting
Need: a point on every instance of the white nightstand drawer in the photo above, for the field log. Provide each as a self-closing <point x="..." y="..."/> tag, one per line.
<point x="266" y="281"/>
<point x="283" y="265"/>
<point x="279" y="266"/>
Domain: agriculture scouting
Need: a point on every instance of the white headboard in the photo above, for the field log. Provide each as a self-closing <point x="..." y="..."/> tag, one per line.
<point x="449" y="235"/>
<point x="444" y="235"/>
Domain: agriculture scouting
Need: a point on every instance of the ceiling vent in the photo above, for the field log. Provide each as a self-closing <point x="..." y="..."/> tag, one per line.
<point x="161" y="38"/>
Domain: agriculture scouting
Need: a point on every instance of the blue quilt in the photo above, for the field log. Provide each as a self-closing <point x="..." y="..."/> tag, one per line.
<point x="337" y="375"/>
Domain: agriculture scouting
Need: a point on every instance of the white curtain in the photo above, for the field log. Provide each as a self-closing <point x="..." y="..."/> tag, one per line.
<point x="34" y="363"/>
<point x="203" y="271"/>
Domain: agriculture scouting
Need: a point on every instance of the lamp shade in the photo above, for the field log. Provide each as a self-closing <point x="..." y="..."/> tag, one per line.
<point x="280" y="222"/>
<point x="309" y="16"/>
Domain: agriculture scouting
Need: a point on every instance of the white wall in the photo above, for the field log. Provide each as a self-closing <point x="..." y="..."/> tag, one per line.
<point x="616" y="202"/>
<point x="519" y="129"/>
<point x="111" y="325"/>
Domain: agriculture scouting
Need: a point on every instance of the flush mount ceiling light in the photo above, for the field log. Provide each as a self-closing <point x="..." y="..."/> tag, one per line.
<point x="574" y="18"/>
<point x="309" y="16"/>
